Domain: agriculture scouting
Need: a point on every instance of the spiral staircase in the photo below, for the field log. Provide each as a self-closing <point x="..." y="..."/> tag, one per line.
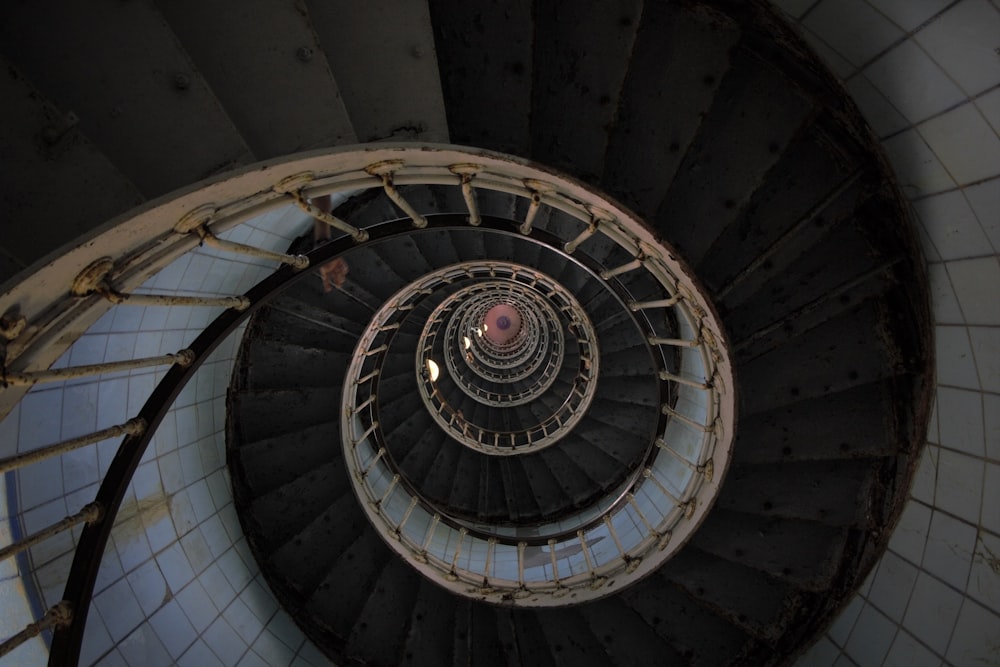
<point x="710" y="272"/>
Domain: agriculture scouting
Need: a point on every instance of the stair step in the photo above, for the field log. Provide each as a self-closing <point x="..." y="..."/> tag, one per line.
<point x="626" y="637"/>
<point x="340" y="598"/>
<point x="305" y="558"/>
<point x="269" y="463"/>
<point x="831" y="492"/>
<point x="304" y="108"/>
<point x="265" y="413"/>
<point x="31" y="166"/>
<point x="431" y="627"/>
<point x="580" y="61"/>
<point x="753" y="118"/>
<point x="394" y="92"/>
<point x="277" y="364"/>
<point x="652" y="132"/>
<point x="477" y="43"/>
<point x="848" y="351"/>
<point x="790" y="433"/>
<point x="520" y="629"/>
<point x="571" y="644"/>
<point x="701" y="637"/>
<point x="808" y="173"/>
<point x="381" y="627"/>
<point x="805" y="554"/>
<point x="285" y="511"/>
<point x="745" y="597"/>
<point x="163" y="135"/>
<point x="296" y="322"/>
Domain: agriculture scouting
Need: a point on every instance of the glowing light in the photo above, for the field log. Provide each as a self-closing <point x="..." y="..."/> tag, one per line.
<point x="432" y="370"/>
<point x="467" y="342"/>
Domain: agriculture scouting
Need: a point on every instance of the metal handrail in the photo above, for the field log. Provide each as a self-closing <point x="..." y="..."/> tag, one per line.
<point x="152" y="238"/>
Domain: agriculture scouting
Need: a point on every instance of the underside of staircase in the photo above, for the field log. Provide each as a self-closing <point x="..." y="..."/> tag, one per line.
<point x="707" y="118"/>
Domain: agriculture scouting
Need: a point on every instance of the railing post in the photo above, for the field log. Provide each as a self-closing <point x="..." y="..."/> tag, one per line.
<point x="58" y="616"/>
<point x="131" y="427"/>
<point x="89" y="514"/>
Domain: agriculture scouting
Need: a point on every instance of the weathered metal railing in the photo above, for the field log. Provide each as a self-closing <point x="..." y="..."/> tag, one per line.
<point x="71" y="292"/>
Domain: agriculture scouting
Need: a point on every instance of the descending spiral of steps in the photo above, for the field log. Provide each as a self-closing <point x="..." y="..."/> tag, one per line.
<point x="732" y="144"/>
<point x="761" y="179"/>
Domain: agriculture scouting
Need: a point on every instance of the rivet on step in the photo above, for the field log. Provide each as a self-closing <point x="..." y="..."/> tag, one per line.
<point x="304" y="54"/>
<point x="182" y="81"/>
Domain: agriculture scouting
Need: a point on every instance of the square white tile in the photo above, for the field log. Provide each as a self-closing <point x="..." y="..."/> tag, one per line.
<point x="842" y="627"/>
<point x="148" y="585"/>
<point x="963" y="41"/>
<point x="984" y="199"/>
<point x="991" y="426"/>
<point x="959" y="485"/>
<point x="985" y="343"/>
<point x="273" y="650"/>
<point x="225" y="642"/>
<point x="965" y="143"/>
<point x="794" y="8"/>
<point x="984" y="584"/>
<point x="853" y="28"/>
<point x="961" y="420"/>
<point x="955" y="364"/>
<point x="977" y="286"/>
<point x="908" y="652"/>
<point x="197" y="606"/>
<point x="884" y="118"/>
<point x="949" y="550"/>
<point x="892" y="585"/>
<point x="913" y="83"/>
<point x="943" y="300"/>
<point x="909" y="14"/>
<point x="143" y="647"/>
<point x="174" y="565"/>
<point x="173" y="628"/>
<point x="991" y="499"/>
<point x="910" y="535"/>
<point x="977" y="636"/>
<point x="932" y="612"/>
<point x="918" y="170"/>
<point x="872" y="636"/>
<point x="925" y="478"/>
<point x="199" y="655"/>
<point x="119" y="609"/>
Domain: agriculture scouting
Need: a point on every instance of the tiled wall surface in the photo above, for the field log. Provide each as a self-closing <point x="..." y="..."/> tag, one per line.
<point x="178" y="584"/>
<point x="926" y="74"/>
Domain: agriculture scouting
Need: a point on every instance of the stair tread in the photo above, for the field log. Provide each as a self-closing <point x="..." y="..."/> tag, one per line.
<point x="30" y="169"/>
<point x="395" y="91"/>
<point x="580" y="64"/>
<point x="652" y="132"/>
<point x="304" y="107"/>
<point x="166" y="136"/>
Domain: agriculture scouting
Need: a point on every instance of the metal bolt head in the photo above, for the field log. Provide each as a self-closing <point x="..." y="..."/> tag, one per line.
<point x="182" y="81"/>
<point x="304" y="54"/>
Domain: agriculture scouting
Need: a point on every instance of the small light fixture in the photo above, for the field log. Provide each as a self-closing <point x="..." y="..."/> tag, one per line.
<point x="432" y="370"/>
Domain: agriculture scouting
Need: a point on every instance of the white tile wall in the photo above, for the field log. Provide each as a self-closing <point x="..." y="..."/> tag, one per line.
<point x="177" y="584"/>
<point x="932" y="92"/>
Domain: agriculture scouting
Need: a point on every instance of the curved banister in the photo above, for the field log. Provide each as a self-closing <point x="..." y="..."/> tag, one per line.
<point x="37" y="316"/>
